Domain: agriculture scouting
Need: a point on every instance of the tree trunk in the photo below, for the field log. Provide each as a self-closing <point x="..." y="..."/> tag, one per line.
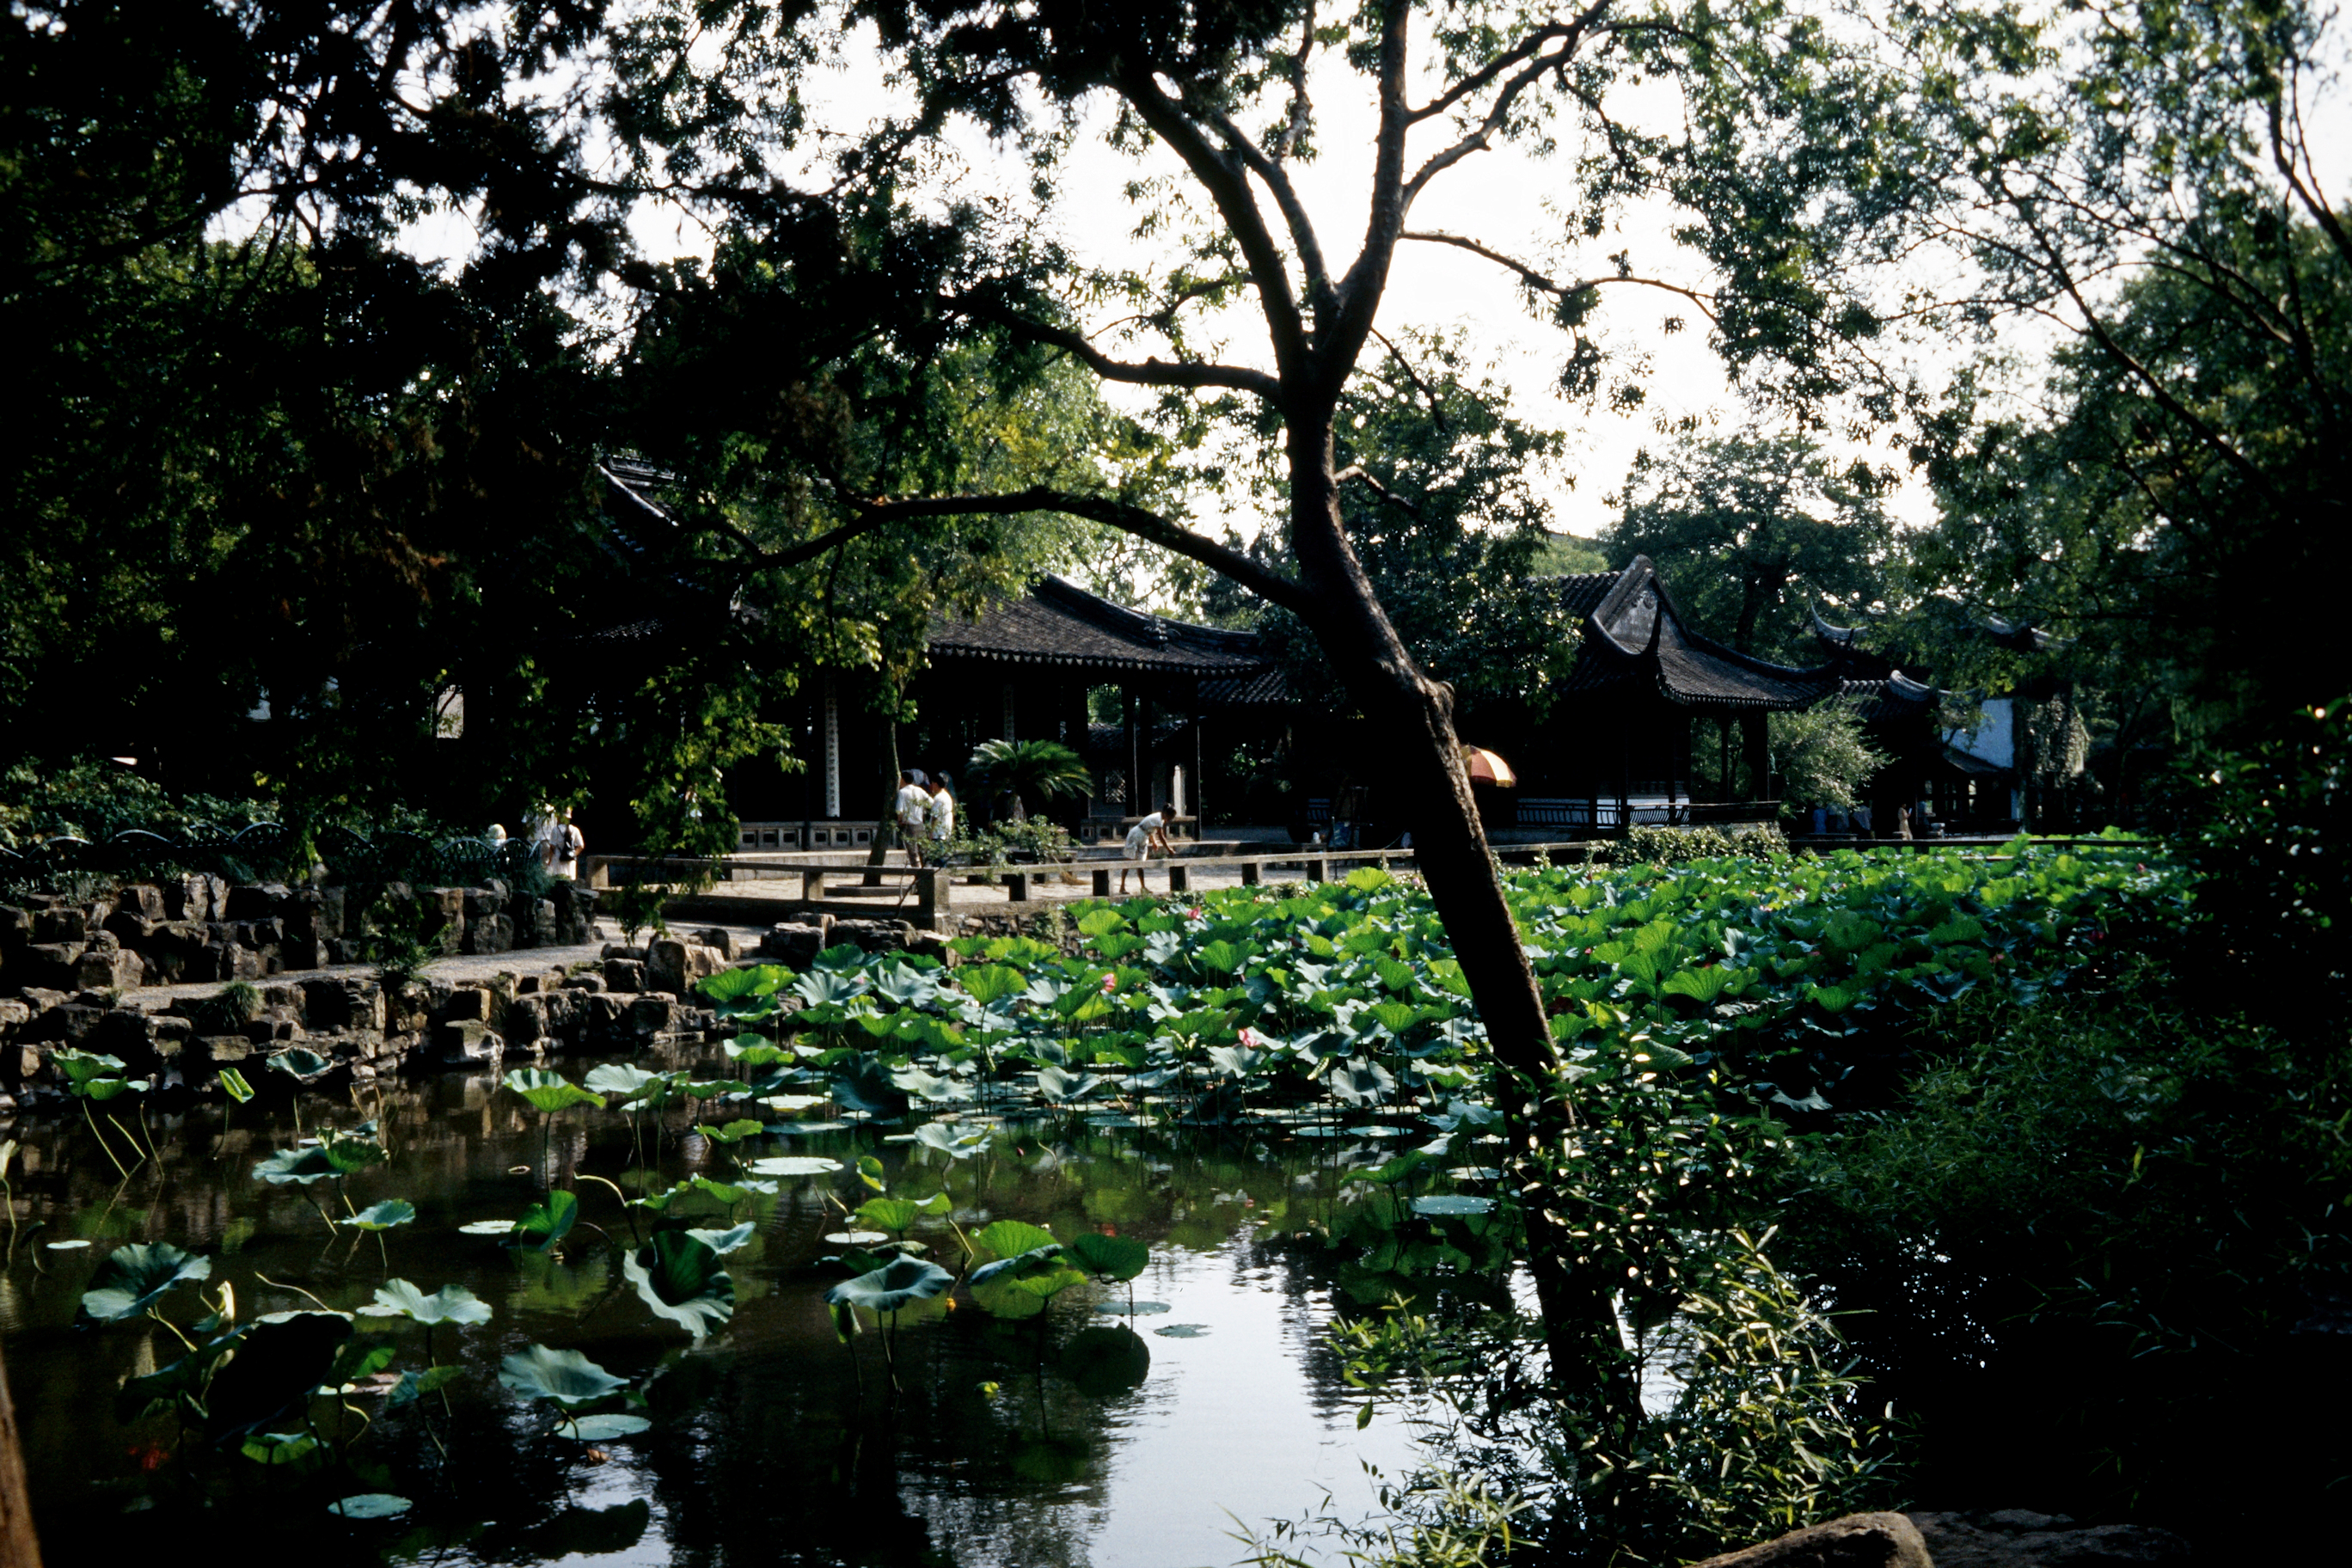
<point x="886" y="831"/>
<point x="1580" y="1322"/>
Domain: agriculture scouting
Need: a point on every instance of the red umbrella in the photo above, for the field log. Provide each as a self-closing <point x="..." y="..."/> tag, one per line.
<point x="1486" y="767"/>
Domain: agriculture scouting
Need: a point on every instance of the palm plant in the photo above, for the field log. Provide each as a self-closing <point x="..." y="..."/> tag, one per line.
<point x="1028" y="770"/>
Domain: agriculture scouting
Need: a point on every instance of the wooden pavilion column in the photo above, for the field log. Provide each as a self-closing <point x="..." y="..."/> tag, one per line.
<point x="1758" y="755"/>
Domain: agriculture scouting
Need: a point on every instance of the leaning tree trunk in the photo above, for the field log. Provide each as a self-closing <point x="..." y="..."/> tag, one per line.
<point x="1578" y="1307"/>
<point x="886" y="830"/>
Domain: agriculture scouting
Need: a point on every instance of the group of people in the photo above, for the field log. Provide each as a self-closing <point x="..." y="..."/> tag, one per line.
<point x="925" y="812"/>
<point x="555" y="838"/>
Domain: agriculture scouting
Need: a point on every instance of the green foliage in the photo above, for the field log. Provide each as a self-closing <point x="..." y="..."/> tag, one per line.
<point x="1753" y="532"/>
<point x="1027" y="772"/>
<point x="1648" y="845"/>
<point x="2142" y="1195"/>
<point x="565" y="1378"/>
<point x="1819" y="755"/>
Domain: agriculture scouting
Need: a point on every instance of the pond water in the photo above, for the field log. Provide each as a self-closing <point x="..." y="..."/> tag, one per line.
<point x="1070" y="1439"/>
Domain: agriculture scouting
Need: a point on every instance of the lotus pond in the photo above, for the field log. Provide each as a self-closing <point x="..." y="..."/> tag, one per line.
<point x="1033" y="1259"/>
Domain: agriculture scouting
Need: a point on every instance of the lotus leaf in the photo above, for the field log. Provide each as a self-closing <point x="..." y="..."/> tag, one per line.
<point x="888" y="1214"/>
<point x="450" y="1304"/>
<point x="1182" y="1332"/>
<point x="1452" y="1203"/>
<point x="486" y="1227"/>
<point x="299" y="1064"/>
<point x="132" y="1276"/>
<point x="1112" y="1257"/>
<point x="1013" y="1237"/>
<point x="413" y="1384"/>
<point x="370" y="1505"/>
<point x="549" y="1091"/>
<point x="1058" y="1085"/>
<point x="854" y="1237"/>
<point x="679" y="1278"/>
<point x="734" y="1132"/>
<point x="1131" y="1309"/>
<point x="958" y="1141"/>
<point x="723" y="1242"/>
<point x="233" y="1084"/>
<point x="892" y="1287"/>
<point x="603" y="1428"/>
<point x="543" y="1226"/>
<point x="732" y="1192"/>
<point x="296" y="1167"/>
<point x="565" y="1378"/>
<point x="619" y="1078"/>
<point x="278" y="1362"/>
<point x="744" y="990"/>
<point x="795" y="1165"/>
<point x="863" y="1083"/>
<point x="383" y="1215"/>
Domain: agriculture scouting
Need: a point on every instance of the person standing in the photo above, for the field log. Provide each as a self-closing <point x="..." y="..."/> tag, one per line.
<point x="943" y="813"/>
<point x="913" y="810"/>
<point x="563" y="847"/>
<point x="1147" y="835"/>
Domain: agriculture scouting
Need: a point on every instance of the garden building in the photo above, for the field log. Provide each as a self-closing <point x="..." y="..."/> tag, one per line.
<point x="1656" y="723"/>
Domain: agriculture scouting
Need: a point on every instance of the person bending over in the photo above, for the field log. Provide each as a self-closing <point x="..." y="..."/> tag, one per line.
<point x="1146" y="836"/>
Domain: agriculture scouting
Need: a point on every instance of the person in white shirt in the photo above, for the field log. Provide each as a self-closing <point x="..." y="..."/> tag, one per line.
<point x="1146" y="836"/>
<point x="913" y="810"/>
<point x="563" y="847"/>
<point x="942" y="812"/>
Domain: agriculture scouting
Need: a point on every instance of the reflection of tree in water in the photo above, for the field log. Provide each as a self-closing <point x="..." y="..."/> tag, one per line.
<point x="763" y="1447"/>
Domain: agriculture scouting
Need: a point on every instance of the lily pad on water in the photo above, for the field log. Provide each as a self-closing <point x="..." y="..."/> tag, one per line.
<point x="680" y="1278"/>
<point x="795" y="1165"/>
<point x="66" y="1246"/>
<point x="1452" y="1203"/>
<point x="1132" y="1309"/>
<point x="723" y="1242"/>
<point x="803" y="1129"/>
<point x="855" y="1238"/>
<point x="565" y="1378"/>
<point x="1182" y="1331"/>
<point x="132" y="1276"/>
<point x="370" y="1505"/>
<point x="299" y="1064"/>
<point x="486" y="1227"/>
<point x="383" y="1215"/>
<point x="604" y="1429"/>
<point x="1106" y="1361"/>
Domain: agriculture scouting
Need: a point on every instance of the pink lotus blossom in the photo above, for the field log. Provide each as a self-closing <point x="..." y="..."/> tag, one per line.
<point x="1251" y="1039"/>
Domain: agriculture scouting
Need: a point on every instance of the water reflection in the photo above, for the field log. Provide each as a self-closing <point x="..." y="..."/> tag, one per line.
<point x="1084" y="1437"/>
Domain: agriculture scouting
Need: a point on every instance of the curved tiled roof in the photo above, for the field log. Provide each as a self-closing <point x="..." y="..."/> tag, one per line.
<point x="1895" y="696"/>
<point x="1634" y="637"/>
<point x="1058" y="625"/>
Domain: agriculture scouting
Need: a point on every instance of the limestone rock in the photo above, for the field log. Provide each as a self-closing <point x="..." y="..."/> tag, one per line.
<point x="873" y="936"/>
<point x="2019" y="1538"/>
<point x="720" y="939"/>
<point x="623" y="975"/>
<point x="1857" y="1541"/>
<point x="255" y="901"/>
<point x="101" y="970"/>
<point x="490" y="933"/>
<point x="792" y="943"/>
<point x="466" y="1044"/>
<point x="674" y="966"/>
<point x="465" y="1005"/>
<point x="60" y="925"/>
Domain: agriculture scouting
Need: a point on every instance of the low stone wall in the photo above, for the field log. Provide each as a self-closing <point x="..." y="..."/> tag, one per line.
<point x="357" y="1029"/>
<point x="198" y="928"/>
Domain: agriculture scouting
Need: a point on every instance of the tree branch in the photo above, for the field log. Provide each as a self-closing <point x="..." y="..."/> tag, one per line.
<point x="879" y="511"/>
<point x="1227" y="183"/>
<point x="1542" y="284"/>
<point x="1149" y="372"/>
<point x="1377" y="489"/>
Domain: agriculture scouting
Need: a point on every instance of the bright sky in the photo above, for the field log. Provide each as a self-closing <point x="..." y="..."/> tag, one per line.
<point x="1502" y="198"/>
